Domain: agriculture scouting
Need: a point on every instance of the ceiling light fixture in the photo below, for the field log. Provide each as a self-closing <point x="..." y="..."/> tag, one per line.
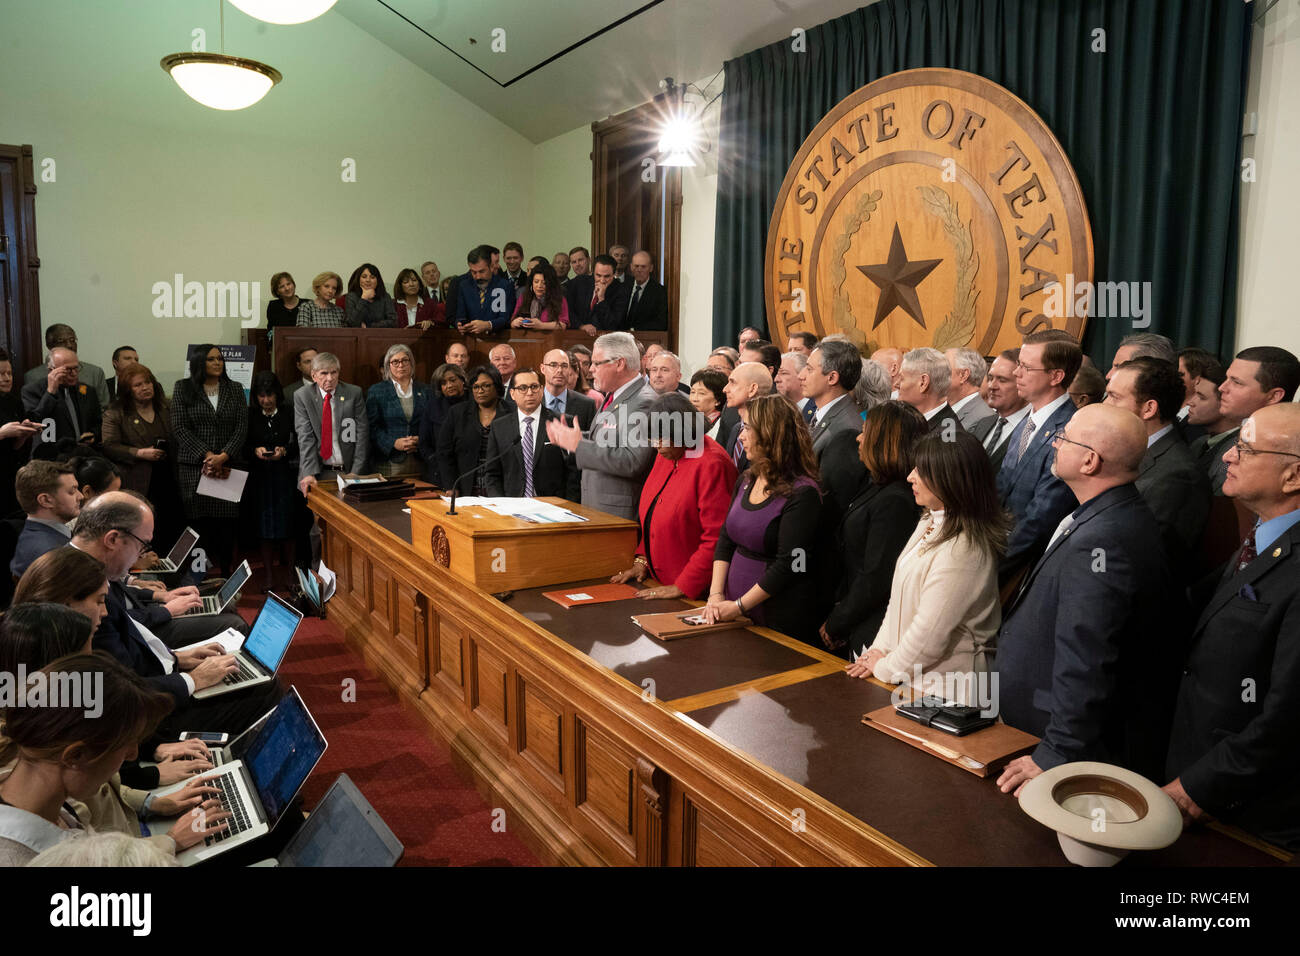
<point x="284" y="11"/>
<point x="219" y="81"/>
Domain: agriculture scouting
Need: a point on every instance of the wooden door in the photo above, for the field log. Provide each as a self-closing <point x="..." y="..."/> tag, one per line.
<point x="20" y="312"/>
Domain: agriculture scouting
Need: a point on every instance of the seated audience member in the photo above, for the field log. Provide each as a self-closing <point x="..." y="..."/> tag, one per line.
<point x="485" y="301"/>
<point x="722" y="360"/>
<point x="580" y="373"/>
<point x="513" y="256"/>
<point x="968" y="370"/>
<point x="801" y="342"/>
<point x="368" y="306"/>
<point x="891" y="360"/>
<point x="504" y="360"/>
<point x="683" y="504"/>
<point x="431" y="280"/>
<point x="283" y="307"/>
<point x="525" y="464"/>
<point x="64" y="336"/>
<point x="615" y="467"/>
<point x="560" y="397"/>
<point x="326" y="445"/>
<point x="62" y="398"/>
<point x="209" y="423"/>
<point x="95" y="476"/>
<point x="15" y="435"/>
<point x="923" y="384"/>
<point x="462" y="446"/>
<point x="123" y="356"/>
<point x="1142" y="345"/>
<point x="747" y="334"/>
<point x="449" y="388"/>
<point x="541" y="306"/>
<point x="395" y="407"/>
<point x="411" y="304"/>
<point x="764" y="353"/>
<point x="943" y="608"/>
<point x="560" y="263"/>
<point x="746" y="383"/>
<point x="598" y="302"/>
<point x="1219" y="431"/>
<point x="1088" y="387"/>
<point x="579" y="260"/>
<point x="138" y="437"/>
<point x="774" y="513"/>
<point x="322" y="312"/>
<point x="64" y="751"/>
<point x="273" y="514"/>
<point x="647" y="304"/>
<point x="1174" y="488"/>
<point x="708" y="397"/>
<point x="1232" y="753"/>
<point x="875" y="526"/>
<point x="787" y="383"/>
<point x="457" y="354"/>
<point x="873" y="388"/>
<point x="665" y="373"/>
<point x="1036" y="498"/>
<point x="1005" y="400"/>
<point x="302" y="362"/>
<point x="1087" y="652"/>
<point x="829" y="377"/>
<point x="47" y="491"/>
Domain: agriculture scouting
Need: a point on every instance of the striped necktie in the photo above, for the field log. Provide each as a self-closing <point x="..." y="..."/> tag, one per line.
<point x="528" y="457"/>
<point x="1025" y="436"/>
<point x="995" y="436"/>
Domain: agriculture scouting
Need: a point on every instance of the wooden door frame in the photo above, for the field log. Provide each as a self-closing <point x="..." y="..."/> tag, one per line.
<point x="644" y="116"/>
<point x="25" y="342"/>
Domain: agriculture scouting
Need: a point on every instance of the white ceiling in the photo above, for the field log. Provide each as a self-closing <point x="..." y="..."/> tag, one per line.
<point x="571" y="62"/>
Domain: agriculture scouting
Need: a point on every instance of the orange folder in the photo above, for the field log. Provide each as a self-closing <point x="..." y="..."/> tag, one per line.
<point x="579" y="595"/>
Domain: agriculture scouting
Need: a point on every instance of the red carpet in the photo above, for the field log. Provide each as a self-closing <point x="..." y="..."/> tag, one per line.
<point x="406" y="775"/>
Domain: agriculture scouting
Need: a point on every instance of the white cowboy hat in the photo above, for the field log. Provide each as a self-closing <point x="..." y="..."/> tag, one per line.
<point x="1100" y="812"/>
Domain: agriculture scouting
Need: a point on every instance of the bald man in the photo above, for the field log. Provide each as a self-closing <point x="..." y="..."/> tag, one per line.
<point x="62" y="400"/>
<point x="891" y="360"/>
<point x="747" y="381"/>
<point x="558" y="398"/>
<point x="1232" y="750"/>
<point x="1088" y="651"/>
<point x="647" y="304"/>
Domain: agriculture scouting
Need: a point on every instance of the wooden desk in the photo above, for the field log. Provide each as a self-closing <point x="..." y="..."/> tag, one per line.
<point x="735" y="747"/>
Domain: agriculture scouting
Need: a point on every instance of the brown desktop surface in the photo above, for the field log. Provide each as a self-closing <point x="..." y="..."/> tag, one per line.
<point x="812" y="733"/>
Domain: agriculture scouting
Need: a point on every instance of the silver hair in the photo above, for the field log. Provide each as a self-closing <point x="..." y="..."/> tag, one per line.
<point x="397" y="349"/>
<point x="874" y="387"/>
<point x="663" y="352"/>
<point x="104" y="849"/>
<point x="799" y="358"/>
<point x="502" y="345"/>
<point x="324" y="361"/>
<point x="620" y="345"/>
<point x="933" y="363"/>
<point x="1150" y="345"/>
<point x="729" y="352"/>
<point x="972" y="362"/>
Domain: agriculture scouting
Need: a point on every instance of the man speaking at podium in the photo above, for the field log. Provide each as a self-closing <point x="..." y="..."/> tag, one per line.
<point x="522" y="462"/>
<point x="613" y="468"/>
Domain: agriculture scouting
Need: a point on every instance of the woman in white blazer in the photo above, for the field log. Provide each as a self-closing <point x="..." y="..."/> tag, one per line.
<point x="943" y="603"/>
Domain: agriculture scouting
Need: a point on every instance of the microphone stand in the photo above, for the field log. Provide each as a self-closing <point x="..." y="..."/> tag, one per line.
<point x="456" y="484"/>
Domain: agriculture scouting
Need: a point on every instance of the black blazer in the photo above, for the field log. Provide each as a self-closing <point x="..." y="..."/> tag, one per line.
<point x="946" y="414"/>
<point x="458" y="443"/>
<point x="576" y="406"/>
<point x="1088" y="652"/>
<point x="39" y="405"/>
<point x="1178" y="493"/>
<point x="432" y="416"/>
<point x="116" y="637"/>
<point x="555" y="473"/>
<point x="610" y="315"/>
<point x="1233" y="751"/>
<point x="651" y="312"/>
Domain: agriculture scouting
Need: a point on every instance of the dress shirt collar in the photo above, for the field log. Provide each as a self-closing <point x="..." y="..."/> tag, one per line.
<point x="1153" y="438"/>
<point x="825" y="409"/>
<point x="410" y="388"/>
<point x="929" y="416"/>
<point x="636" y="383"/>
<point x="1046" y="412"/>
<point x="52" y="523"/>
<point x="536" y="416"/>
<point x="1266" y="532"/>
<point x="961" y="403"/>
<point x="321" y="393"/>
<point x="35" y="833"/>
<point x="1014" y="419"/>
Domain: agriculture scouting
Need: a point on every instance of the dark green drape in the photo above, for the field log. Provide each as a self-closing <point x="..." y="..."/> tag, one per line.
<point x="1152" y="127"/>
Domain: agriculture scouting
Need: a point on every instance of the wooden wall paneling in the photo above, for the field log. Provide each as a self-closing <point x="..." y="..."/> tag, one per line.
<point x="411" y="634"/>
<point x="449" y="664"/>
<point x="539" y="731"/>
<point x="488" y="686"/>
<point x="707" y="840"/>
<point x="605" y="787"/>
<point x="652" y="831"/>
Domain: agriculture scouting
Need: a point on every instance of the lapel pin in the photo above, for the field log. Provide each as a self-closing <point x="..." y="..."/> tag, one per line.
<point x="1277" y="552"/>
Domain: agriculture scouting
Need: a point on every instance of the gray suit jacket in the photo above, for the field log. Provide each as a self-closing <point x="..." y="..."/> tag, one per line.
<point x="613" y="470"/>
<point x="1210" y="459"/>
<point x="973" y="411"/>
<point x="844" y="416"/>
<point x="354" y="442"/>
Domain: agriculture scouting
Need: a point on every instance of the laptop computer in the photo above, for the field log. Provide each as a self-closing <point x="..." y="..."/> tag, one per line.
<point x="257" y="789"/>
<point x="343" y="830"/>
<point x="217" y="603"/>
<point x="235" y="750"/>
<point x="262" y="651"/>
<point x="178" y="555"/>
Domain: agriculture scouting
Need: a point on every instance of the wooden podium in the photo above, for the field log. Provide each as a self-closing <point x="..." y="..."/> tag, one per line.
<point x="499" y="553"/>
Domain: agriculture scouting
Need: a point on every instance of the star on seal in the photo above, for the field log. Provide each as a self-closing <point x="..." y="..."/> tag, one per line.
<point x="898" y="279"/>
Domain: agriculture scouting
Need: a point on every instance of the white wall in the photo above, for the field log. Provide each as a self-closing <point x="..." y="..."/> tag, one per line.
<point x="698" y="269"/>
<point x="562" y="193"/>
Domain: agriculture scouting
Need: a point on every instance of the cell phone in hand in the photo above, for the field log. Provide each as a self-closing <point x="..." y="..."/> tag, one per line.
<point x="208" y="737"/>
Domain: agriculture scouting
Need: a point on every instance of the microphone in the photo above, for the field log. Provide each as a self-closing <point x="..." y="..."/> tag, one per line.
<point x="456" y="484"/>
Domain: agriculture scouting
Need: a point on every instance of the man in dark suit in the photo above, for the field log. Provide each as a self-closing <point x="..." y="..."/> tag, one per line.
<point x="596" y="302"/>
<point x="1086" y="657"/>
<point x="123" y="356"/>
<point x="664" y="373"/>
<point x="747" y="381"/>
<point x="1007" y="405"/>
<point x="432" y="280"/>
<point x="1175" y="489"/>
<point x="1232" y="749"/>
<point x="342" y="444"/>
<point x="647" y="308"/>
<point x="968" y="373"/>
<point x="924" y="377"/>
<point x="61" y="400"/>
<point x="1026" y="485"/>
<point x="526" y="464"/>
<point x="47" y="491"/>
<point x="1218" y="430"/>
<point x="558" y="398"/>
<point x="484" y="301"/>
<point x="832" y="371"/>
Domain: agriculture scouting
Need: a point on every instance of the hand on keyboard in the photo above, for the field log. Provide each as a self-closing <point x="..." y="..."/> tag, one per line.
<point x="204" y="821"/>
<point x="184" y="600"/>
<point x="213" y="670"/>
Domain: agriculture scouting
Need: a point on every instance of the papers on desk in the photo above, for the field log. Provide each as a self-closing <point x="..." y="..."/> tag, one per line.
<point x="347" y="479"/>
<point x="229" y="639"/>
<point x="525" y="509"/>
<point x="227" y="489"/>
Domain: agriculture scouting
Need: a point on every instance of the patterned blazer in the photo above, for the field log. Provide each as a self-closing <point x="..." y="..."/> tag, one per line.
<point x="198" y="429"/>
<point x="387" y="423"/>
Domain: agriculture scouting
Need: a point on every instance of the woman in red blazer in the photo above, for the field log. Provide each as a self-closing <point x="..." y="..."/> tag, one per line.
<point x="412" y="302"/>
<point x="683" y="504"/>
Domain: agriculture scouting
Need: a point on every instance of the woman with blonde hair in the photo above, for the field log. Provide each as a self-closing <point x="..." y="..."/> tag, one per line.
<point x="322" y="312"/>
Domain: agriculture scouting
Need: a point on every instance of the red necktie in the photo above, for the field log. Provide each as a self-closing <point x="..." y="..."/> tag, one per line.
<point x="608" y="398"/>
<point x="326" y="431"/>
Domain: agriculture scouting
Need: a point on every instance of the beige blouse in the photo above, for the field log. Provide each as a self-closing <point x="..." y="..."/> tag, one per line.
<point x="943" y="610"/>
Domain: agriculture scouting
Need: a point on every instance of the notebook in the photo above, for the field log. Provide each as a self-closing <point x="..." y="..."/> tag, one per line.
<point x="688" y="623"/>
<point x="590" y="594"/>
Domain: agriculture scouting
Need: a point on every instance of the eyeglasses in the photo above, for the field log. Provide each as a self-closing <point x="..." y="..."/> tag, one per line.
<point x="525" y="388"/>
<point x="400" y="361"/>
<point x="555" y="365"/>
<point x="1060" y="436"/>
<point x="484" y="387"/>
<point x="595" y="364"/>
<point x="1029" y="368"/>
<point x="144" y="545"/>
<point x="1246" y="451"/>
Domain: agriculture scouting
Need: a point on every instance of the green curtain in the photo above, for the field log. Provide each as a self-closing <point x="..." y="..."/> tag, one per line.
<point x="1152" y="127"/>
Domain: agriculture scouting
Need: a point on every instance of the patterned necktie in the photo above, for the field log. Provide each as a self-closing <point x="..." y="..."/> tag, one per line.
<point x="528" y="457"/>
<point x="995" y="436"/>
<point x="809" y="413"/>
<point x="1025" y="436"/>
<point x="737" y="451"/>
<point x="1248" y="553"/>
<point x="482" y="295"/>
<point x="608" y="398"/>
<point x="326" y="430"/>
<point x="554" y="404"/>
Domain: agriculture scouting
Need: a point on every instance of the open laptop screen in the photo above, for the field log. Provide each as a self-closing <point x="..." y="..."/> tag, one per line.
<point x="272" y="632"/>
<point x="233" y="584"/>
<point x="283" y="755"/>
<point x="184" y="544"/>
<point x="343" y="830"/>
